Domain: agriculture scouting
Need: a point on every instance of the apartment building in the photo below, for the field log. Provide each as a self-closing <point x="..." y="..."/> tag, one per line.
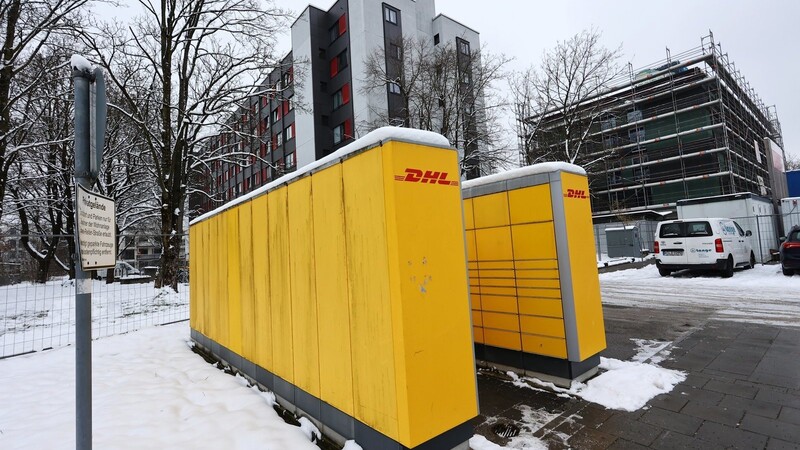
<point x="324" y="73"/>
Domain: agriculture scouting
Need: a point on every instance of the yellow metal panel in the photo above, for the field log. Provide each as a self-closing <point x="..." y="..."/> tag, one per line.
<point x="426" y="250"/>
<point x="546" y="274"/>
<point x="543" y="345"/>
<point x="374" y="370"/>
<point x="497" y="282"/>
<point x="509" y="291"/>
<point x="491" y="210"/>
<point x="303" y="286"/>
<point x="509" y="264"/>
<point x="540" y="293"/>
<point x="585" y="282"/>
<point x="534" y="241"/>
<point x="494" y="244"/>
<point x="475" y="301"/>
<point x="280" y="295"/>
<point x="469" y="220"/>
<point x="263" y="316"/>
<point x="221" y="236"/>
<point x="502" y="339"/>
<point x="477" y="334"/>
<point x="530" y="204"/>
<point x="211" y="306"/>
<point x="246" y="281"/>
<point x="499" y="303"/>
<point x="472" y="252"/>
<point x="540" y="307"/>
<point x="476" y="319"/>
<point x="194" y="292"/>
<point x="533" y="283"/>
<point x="542" y="264"/>
<point x="234" y="294"/>
<point x="545" y="326"/>
<point x="496" y="273"/>
<point x="501" y="321"/>
<point x="333" y="306"/>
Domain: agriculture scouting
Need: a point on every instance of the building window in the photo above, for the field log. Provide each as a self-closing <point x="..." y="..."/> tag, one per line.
<point x="342" y="131"/>
<point x="463" y="47"/>
<point x="288" y="133"/>
<point x="636" y="134"/>
<point x="390" y="14"/>
<point x="276" y="115"/>
<point x="290" y="161"/>
<point x="394" y="51"/>
<point x="436" y="39"/>
<point x="338" y="63"/>
<point x="342" y="96"/>
<point x="394" y="88"/>
<point x="338" y="28"/>
<point x="288" y="77"/>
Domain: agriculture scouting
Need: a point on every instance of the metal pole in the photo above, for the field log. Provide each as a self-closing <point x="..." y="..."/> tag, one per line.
<point x="758" y="231"/>
<point x="83" y="283"/>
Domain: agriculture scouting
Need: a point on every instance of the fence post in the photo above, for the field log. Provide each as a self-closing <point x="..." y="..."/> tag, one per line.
<point x="597" y="239"/>
<point x="758" y="231"/>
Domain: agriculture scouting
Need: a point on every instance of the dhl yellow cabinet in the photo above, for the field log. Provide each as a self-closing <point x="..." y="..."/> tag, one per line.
<point x="342" y="288"/>
<point x="534" y="288"/>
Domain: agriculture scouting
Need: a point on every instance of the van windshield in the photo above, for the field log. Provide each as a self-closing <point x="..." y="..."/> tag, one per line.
<point x="685" y="229"/>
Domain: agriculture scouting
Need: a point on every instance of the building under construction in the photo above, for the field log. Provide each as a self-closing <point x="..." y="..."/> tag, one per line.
<point x="685" y="127"/>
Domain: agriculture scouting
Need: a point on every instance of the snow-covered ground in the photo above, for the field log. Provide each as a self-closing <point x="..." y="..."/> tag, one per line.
<point x="150" y="391"/>
<point x="760" y="295"/>
<point x="38" y="316"/>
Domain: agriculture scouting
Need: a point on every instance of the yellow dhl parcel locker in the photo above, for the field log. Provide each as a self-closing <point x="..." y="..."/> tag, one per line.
<point x="534" y="288"/>
<point x="342" y="288"/>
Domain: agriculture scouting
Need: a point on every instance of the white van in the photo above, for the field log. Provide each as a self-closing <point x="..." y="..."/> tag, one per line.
<point x="702" y="244"/>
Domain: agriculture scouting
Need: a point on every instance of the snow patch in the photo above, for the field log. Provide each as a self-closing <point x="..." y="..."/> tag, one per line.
<point x="649" y="350"/>
<point x="375" y="137"/>
<point x="80" y="63"/>
<point x="478" y="442"/>
<point x="351" y="445"/>
<point x="309" y="429"/>
<point x="624" y="385"/>
<point x="148" y="387"/>
<point x="533" y="169"/>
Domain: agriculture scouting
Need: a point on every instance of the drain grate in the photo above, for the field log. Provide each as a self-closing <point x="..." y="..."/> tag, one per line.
<point x="506" y="430"/>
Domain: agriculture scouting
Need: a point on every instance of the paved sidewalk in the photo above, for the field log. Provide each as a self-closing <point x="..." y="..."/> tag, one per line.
<point x="742" y="390"/>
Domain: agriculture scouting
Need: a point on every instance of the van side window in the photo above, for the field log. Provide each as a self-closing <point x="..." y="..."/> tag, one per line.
<point x="741" y="233"/>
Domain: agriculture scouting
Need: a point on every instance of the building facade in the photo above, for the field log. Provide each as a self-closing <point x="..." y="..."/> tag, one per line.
<point x="686" y="127"/>
<point x="317" y="100"/>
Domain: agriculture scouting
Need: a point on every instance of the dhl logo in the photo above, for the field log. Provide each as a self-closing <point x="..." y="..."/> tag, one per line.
<point x="428" y="176"/>
<point x="575" y="193"/>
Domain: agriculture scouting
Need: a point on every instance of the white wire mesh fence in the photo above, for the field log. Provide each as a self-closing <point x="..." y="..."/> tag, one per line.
<point x="38" y="313"/>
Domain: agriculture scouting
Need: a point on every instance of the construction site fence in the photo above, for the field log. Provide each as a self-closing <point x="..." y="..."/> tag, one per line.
<point x="767" y="231"/>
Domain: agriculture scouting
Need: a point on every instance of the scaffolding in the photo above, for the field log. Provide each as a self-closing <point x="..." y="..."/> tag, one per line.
<point x="687" y="126"/>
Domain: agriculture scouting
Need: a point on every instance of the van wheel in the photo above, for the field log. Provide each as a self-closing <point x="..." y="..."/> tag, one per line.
<point x="752" y="261"/>
<point x="727" y="272"/>
<point x="664" y="272"/>
<point x="787" y="272"/>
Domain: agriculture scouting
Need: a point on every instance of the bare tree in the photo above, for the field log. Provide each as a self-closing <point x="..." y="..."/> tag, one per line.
<point x="27" y="29"/>
<point x="445" y="90"/>
<point x="180" y="69"/>
<point x="41" y="175"/>
<point x="792" y="162"/>
<point x="558" y="102"/>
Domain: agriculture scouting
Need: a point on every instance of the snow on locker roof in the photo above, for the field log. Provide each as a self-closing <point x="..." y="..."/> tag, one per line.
<point x="533" y="169"/>
<point x="375" y="137"/>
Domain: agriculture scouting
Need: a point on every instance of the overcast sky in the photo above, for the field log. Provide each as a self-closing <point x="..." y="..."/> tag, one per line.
<point x="761" y="38"/>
